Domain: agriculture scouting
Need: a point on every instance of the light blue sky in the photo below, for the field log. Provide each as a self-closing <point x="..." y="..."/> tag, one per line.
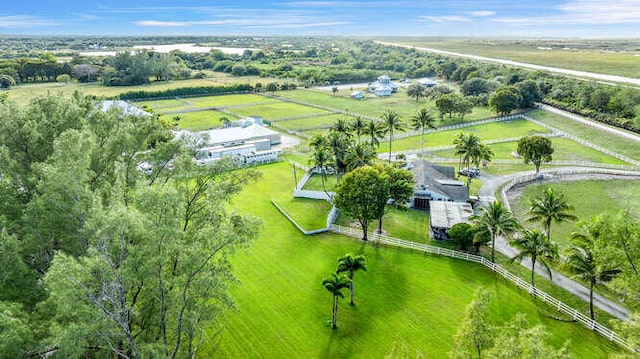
<point x="489" y="18"/>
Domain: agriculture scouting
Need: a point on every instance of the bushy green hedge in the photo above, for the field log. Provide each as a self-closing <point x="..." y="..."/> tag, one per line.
<point x="184" y="92"/>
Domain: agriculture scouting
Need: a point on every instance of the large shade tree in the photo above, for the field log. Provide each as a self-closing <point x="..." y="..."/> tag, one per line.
<point x="535" y="149"/>
<point x="495" y="220"/>
<point x="350" y="264"/>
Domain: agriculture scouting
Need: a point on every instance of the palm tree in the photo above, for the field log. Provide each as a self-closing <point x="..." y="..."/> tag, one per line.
<point x="321" y="159"/>
<point x="359" y="155"/>
<point x="335" y="285"/>
<point x="341" y="126"/>
<point x="583" y="259"/>
<point x="351" y="263"/>
<point x="338" y="143"/>
<point x="484" y="153"/>
<point x="358" y="125"/>
<point x="467" y="146"/>
<point x="319" y="141"/>
<point x="551" y="206"/>
<point x="535" y="245"/>
<point x="391" y="122"/>
<point x="496" y="220"/>
<point x="375" y="131"/>
<point x="423" y="119"/>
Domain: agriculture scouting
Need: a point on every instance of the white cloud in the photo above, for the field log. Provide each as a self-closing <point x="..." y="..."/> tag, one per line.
<point x="585" y="12"/>
<point x="161" y="23"/>
<point x="445" y="18"/>
<point x="482" y="13"/>
<point x="26" y="21"/>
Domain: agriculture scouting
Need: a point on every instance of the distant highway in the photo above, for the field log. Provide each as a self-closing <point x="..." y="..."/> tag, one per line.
<point x="584" y="74"/>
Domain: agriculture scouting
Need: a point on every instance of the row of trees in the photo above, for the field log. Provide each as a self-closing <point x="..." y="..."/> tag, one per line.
<point x="98" y="259"/>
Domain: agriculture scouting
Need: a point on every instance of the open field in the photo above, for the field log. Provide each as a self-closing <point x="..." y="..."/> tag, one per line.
<point x="161" y="106"/>
<point x="200" y="120"/>
<point x="590" y="198"/>
<point x="310" y="214"/>
<point x="375" y="106"/>
<point x="228" y="100"/>
<point x="315" y="183"/>
<point x="277" y="110"/>
<point x="609" y="141"/>
<point x="486" y="132"/>
<point x="283" y="310"/>
<point x="622" y="63"/>
<point x="310" y="123"/>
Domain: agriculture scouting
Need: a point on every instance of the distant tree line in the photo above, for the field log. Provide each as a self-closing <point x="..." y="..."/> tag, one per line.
<point x="185" y="91"/>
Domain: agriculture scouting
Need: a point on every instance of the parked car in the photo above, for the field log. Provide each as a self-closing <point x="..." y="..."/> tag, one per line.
<point x="470" y="172"/>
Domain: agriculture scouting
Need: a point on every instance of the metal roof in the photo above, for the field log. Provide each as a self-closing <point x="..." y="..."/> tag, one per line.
<point x="444" y="214"/>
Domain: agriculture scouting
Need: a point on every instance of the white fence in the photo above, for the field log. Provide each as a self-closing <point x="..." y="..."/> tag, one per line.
<point x="519" y="282"/>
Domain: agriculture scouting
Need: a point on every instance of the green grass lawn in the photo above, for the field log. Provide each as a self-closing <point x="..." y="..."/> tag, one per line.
<point x="227" y="100"/>
<point x="276" y="110"/>
<point x="590" y="198"/>
<point x="310" y="123"/>
<point x="200" y="120"/>
<point x="607" y="140"/>
<point x="414" y="299"/>
<point x="486" y="132"/>
<point x="161" y="106"/>
<point x="315" y="183"/>
<point x="310" y="214"/>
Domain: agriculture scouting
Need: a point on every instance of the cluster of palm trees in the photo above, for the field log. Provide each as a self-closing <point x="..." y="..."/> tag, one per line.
<point x="582" y="257"/>
<point x="471" y="151"/>
<point x="337" y="282"/>
<point x="350" y="144"/>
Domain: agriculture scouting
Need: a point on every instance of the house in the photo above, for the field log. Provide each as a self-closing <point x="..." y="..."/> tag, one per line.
<point x="425" y="82"/>
<point x="444" y="215"/>
<point x="127" y="108"/>
<point x="357" y="95"/>
<point x="383" y="86"/>
<point x="436" y="183"/>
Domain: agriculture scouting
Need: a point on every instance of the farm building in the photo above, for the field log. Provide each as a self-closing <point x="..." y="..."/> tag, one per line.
<point x="425" y="82"/>
<point x="444" y="215"/>
<point x="357" y="95"/>
<point x="383" y="86"/>
<point x="126" y="107"/>
<point x="436" y="183"/>
<point x="236" y="136"/>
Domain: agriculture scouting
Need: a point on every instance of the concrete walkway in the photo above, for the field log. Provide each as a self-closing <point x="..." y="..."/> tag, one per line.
<point x="491" y="185"/>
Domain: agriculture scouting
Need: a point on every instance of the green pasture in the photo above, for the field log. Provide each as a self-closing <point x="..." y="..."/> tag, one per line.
<point x="486" y="132"/>
<point x="407" y="298"/>
<point x="277" y="110"/>
<point x="614" y="63"/>
<point x="228" y="100"/>
<point x="607" y="140"/>
<point x="564" y="150"/>
<point x="162" y="106"/>
<point x="303" y="124"/>
<point x="375" y="106"/>
<point x="315" y="183"/>
<point x="310" y="214"/>
<point x="200" y="120"/>
<point x="590" y="198"/>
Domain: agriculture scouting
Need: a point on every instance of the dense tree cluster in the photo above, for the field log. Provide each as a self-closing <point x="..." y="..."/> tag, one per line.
<point x="96" y="258"/>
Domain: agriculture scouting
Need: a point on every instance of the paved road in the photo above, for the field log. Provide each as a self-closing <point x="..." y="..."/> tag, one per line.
<point x="592" y="75"/>
<point x="491" y="184"/>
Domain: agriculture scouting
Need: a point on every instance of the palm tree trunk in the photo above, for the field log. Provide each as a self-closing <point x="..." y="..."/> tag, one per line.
<point x="493" y="248"/>
<point x="335" y="312"/>
<point x="591" y="301"/>
<point x="390" y="140"/>
<point x="352" y="290"/>
<point x="380" y="225"/>
<point x="533" y="268"/>
<point x="422" y="148"/>
<point x="549" y="229"/>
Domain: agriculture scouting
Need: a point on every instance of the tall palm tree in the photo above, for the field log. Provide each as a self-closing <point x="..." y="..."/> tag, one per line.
<point x="320" y="159"/>
<point x="318" y="141"/>
<point x="391" y="122"/>
<point x="338" y="143"/>
<point x="375" y="132"/>
<point x="422" y="120"/>
<point x="535" y="245"/>
<point x="351" y="263"/>
<point x="359" y="155"/>
<point x="357" y="126"/>
<point x="335" y="285"/>
<point x="467" y="146"/>
<point x="496" y="220"/>
<point x="342" y="126"/>
<point x="584" y="260"/>
<point x="484" y="153"/>
<point x="550" y="207"/>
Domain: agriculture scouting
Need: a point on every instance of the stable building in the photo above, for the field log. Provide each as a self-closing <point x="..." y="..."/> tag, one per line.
<point x="236" y="136"/>
<point x="436" y="183"/>
<point x="444" y="215"/>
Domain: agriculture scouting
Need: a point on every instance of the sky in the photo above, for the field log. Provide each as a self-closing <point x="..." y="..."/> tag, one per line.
<point x="478" y="18"/>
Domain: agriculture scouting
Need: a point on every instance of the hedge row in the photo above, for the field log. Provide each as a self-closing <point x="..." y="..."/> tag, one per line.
<point x="625" y="123"/>
<point x="184" y="92"/>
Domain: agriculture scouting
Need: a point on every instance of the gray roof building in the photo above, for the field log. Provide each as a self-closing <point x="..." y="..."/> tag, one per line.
<point x="444" y="215"/>
<point x="436" y="183"/>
